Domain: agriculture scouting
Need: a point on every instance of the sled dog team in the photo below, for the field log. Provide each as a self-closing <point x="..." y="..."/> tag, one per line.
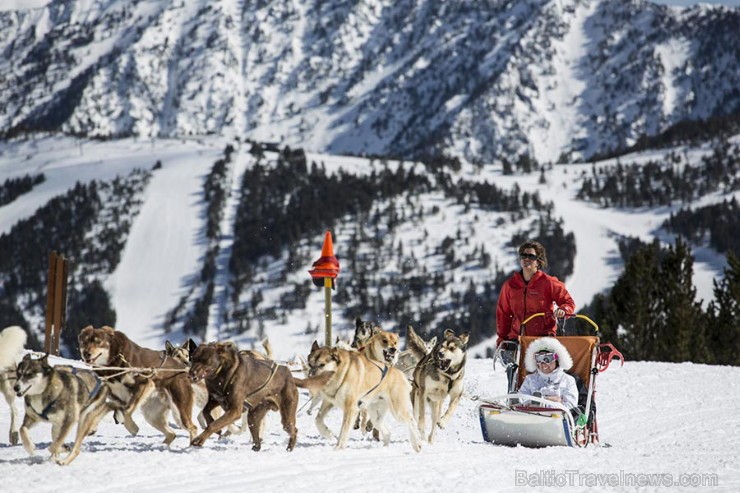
<point x="365" y="379"/>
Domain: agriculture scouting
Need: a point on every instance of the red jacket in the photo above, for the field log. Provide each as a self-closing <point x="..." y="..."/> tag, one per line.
<point x="518" y="300"/>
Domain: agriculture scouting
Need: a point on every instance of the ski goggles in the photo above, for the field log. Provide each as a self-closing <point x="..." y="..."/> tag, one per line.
<point x="528" y="256"/>
<point x="545" y="357"/>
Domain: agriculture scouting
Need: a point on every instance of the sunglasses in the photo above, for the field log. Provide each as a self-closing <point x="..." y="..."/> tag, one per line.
<point x="545" y="357"/>
<point x="527" y="256"/>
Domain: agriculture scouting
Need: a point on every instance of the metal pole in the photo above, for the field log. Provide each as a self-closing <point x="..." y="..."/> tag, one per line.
<point x="327" y="310"/>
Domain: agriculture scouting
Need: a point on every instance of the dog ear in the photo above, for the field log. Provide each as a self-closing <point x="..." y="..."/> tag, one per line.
<point x="168" y="348"/>
<point x="432" y="342"/>
<point x="314" y="346"/>
<point x="358" y="322"/>
<point x="334" y="354"/>
<point x="449" y="334"/>
<point x="191" y="346"/>
<point x="375" y="330"/>
<point x="464" y="338"/>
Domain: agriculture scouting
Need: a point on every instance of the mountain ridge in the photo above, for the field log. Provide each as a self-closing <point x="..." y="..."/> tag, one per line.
<point x="546" y="79"/>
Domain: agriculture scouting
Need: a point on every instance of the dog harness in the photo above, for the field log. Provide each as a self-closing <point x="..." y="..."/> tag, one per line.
<point x="273" y="370"/>
<point x="44" y="414"/>
<point x="383" y="373"/>
<point x="98" y="383"/>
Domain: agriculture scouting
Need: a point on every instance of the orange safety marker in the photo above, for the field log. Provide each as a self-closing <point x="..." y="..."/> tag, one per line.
<point x="324" y="273"/>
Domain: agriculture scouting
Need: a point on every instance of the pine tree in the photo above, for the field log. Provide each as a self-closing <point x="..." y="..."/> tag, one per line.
<point x="682" y="328"/>
<point x="723" y="314"/>
<point x="632" y="307"/>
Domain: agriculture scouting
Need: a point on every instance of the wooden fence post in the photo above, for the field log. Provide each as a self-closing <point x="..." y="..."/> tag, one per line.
<point x="56" y="302"/>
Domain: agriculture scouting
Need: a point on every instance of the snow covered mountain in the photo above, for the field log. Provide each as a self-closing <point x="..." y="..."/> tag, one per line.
<point x="549" y="79"/>
<point x="214" y="238"/>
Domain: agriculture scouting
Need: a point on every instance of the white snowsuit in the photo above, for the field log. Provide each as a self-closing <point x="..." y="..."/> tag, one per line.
<point x="556" y="383"/>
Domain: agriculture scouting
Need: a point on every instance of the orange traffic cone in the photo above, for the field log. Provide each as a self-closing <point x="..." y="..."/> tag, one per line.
<point x="327" y="266"/>
<point x="328" y="249"/>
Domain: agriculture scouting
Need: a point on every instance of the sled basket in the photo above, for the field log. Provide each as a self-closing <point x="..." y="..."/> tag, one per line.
<point x="529" y="425"/>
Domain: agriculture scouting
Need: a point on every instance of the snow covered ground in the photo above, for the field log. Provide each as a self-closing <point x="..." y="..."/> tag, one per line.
<point x="665" y="423"/>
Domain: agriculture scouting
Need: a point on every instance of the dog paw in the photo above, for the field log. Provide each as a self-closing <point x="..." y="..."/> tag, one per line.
<point x="442" y="423"/>
<point x="256" y="447"/>
<point x="198" y="441"/>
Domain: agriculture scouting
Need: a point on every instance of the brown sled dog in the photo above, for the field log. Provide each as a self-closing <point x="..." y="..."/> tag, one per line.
<point x="109" y="347"/>
<point x="236" y="380"/>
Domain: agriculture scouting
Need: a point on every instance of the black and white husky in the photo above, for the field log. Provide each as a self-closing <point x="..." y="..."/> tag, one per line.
<point x="439" y="375"/>
<point x="12" y="342"/>
<point x="63" y="396"/>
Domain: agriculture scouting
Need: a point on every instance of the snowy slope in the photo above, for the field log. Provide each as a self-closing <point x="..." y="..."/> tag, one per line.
<point x="660" y="419"/>
<point x="164" y="251"/>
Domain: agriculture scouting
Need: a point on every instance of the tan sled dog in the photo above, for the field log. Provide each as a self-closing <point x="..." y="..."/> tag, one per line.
<point x="169" y="380"/>
<point x="439" y="375"/>
<point x="236" y="380"/>
<point x="361" y="383"/>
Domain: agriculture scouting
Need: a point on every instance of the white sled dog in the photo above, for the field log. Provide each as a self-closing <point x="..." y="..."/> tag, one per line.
<point x="12" y="343"/>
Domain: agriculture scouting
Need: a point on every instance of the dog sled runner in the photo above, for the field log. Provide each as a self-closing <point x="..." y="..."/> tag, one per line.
<point x="518" y="419"/>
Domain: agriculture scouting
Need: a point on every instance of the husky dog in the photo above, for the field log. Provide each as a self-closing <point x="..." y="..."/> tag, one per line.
<point x="439" y="375"/>
<point x="181" y="353"/>
<point x="363" y="332"/>
<point x="363" y="380"/>
<point x="236" y="380"/>
<point x="168" y="380"/>
<point x="62" y="396"/>
<point x="416" y="349"/>
<point x="184" y="354"/>
<point x="12" y="342"/>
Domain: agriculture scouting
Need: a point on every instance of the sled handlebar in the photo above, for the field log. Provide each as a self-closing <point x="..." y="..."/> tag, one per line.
<point x="567" y="316"/>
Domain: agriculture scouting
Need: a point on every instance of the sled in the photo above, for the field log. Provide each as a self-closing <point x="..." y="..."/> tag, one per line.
<point x="518" y="419"/>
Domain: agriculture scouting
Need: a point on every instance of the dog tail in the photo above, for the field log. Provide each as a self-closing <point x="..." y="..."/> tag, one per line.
<point x="314" y="383"/>
<point x="268" y="348"/>
<point x="415" y="343"/>
<point x="12" y="341"/>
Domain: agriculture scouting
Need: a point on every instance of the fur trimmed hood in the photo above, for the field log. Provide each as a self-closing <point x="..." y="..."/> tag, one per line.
<point x="566" y="362"/>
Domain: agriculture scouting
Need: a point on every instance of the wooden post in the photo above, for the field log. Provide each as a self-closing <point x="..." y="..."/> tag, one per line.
<point x="56" y="302"/>
<point x="50" y="285"/>
<point x="327" y="311"/>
